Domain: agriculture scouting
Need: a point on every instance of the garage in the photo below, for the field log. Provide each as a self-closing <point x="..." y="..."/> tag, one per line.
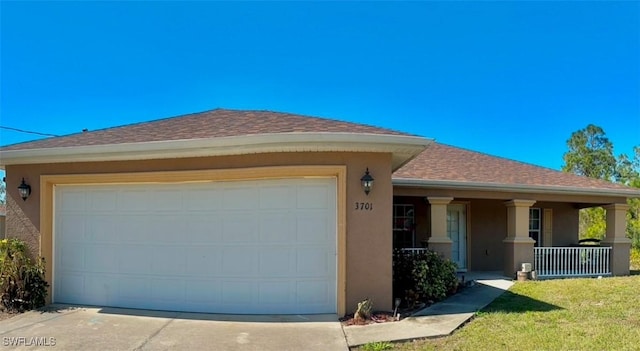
<point x="246" y="247"/>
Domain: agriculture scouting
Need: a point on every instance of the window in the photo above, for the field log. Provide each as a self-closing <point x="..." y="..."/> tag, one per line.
<point x="403" y="226"/>
<point x="535" y="228"/>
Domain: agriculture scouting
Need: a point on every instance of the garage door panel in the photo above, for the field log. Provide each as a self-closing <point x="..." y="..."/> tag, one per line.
<point x="314" y="197"/>
<point x="277" y="228"/>
<point x="277" y="197"/>
<point x="275" y="293"/>
<point x="275" y="262"/>
<point x="203" y="292"/>
<point x="312" y="292"/>
<point x="135" y="200"/>
<point x="239" y="228"/>
<point x="168" y="260"/>
<point x="71" y="257"/>
<point x="237" y="293"/>
<point x="132" y="229"/>
<point x="239" y="198"/>
<point x="133" y="288"/>
<point x="101" y="228"/>
<point x="203" y="228"/>
<point x="100" y="289"/>
<point x="72" y="228"/>
<point x="134" y="259"/>
<point x="168" y="290"/>
<point x="166" y="229"/>
<point x="102" y="200"/>
<point x="239" y="262"/>
<point x="104" y="258"/>
<point x="312" y="227"/>
<point x="226" y="247"/>
<point x="167" y="200"/>
<point x="204" y="261"/>
<point x="71" y="201"/>
<point x="313" y="262"/>
<point x="203" y="200"/>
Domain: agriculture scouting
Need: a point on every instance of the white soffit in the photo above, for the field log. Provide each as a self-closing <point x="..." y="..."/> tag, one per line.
<point x="523" y="188"/>
<point x="403" y="148"/>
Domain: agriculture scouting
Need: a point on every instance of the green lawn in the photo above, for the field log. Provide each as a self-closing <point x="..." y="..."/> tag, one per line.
<point x="569" y="314"/>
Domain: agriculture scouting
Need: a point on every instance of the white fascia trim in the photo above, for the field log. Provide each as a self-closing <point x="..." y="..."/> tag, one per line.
<point x="403" y="148"/>
<point x="522" y="188"/>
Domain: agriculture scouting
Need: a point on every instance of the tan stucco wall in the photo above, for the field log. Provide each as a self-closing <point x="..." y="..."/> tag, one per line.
<point x="565" y="223"/>
<point x="2" y="225"/>
<point x="368" y="238"/>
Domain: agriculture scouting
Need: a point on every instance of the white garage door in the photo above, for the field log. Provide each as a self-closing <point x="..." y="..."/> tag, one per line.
<point x="264" y="246"/>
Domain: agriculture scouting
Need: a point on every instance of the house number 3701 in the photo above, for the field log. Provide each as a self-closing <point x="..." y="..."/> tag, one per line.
<point x="364" y="206"/>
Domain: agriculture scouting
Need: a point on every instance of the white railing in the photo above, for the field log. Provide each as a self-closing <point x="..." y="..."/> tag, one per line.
<point x="572" y="261"/>
<point x="415" y="250"/>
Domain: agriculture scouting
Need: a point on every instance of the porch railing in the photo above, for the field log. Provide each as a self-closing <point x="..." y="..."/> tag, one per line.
<point x="550" y="262"/>
<point x="415" y="250"/>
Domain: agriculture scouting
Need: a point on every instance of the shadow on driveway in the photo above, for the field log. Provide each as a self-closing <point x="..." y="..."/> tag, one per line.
<point x="74" y="327"/>
<point x="266" y="318"/>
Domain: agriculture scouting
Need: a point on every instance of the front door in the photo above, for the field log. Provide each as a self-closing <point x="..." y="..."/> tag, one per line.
<point x="457" y="232"/>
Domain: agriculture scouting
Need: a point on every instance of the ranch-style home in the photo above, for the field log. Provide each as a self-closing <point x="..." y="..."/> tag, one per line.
<point x="256" y="212"/>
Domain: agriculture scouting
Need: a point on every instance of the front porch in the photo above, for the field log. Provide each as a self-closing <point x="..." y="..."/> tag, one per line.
<point x="553" y="262"/>
<point x="500" y="235"/>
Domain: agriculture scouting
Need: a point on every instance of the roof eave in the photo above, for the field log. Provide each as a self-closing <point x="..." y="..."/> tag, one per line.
<point x="522" y="188"/>
<point x="403" y="148"/>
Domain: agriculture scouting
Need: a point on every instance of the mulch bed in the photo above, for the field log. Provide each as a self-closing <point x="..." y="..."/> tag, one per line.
<point x="376" y="317"/>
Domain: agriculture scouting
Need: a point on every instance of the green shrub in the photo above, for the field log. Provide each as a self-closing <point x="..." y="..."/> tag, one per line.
<point x="423" y="276"/>
<point x="22" y="283"/>
<point x="635" y="258"/>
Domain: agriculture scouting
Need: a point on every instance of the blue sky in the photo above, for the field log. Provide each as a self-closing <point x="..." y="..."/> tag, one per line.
<point x="512" y="79"/>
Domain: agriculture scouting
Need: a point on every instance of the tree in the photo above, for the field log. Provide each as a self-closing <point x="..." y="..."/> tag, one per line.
<point x="590" y="154"/>
<point x="628" y="170"/>
<point x="628" y="173"/>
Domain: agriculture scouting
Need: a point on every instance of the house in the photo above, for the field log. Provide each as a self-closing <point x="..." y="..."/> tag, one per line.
<point x="260" y="212"/>
<point x="3" y="212"/>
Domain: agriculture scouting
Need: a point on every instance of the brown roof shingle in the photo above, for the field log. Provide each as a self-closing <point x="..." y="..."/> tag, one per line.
<point x="440" y="162"/>
<point x="202" y="125"/>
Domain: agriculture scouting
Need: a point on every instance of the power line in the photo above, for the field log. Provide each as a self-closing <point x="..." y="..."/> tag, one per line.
<point x="27" y="131"/>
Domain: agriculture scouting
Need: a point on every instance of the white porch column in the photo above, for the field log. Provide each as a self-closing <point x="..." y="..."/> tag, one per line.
<point x="518" y="246"/>
<point x="616" y="238"/>
<point x="439" y="241"/>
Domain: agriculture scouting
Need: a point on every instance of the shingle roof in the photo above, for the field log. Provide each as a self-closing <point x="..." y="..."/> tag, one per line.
<point x="203" y="125"/>
<point x="440" y="162"/>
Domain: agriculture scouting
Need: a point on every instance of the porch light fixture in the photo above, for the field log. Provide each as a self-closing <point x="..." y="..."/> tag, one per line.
<point x="24" y="189"/>
<point x="367" y="182"/>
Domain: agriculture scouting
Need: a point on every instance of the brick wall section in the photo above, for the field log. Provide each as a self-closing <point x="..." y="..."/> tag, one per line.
<point x="19" y="225"/>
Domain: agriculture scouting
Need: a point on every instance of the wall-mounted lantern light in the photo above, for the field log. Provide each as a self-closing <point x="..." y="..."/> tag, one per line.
<point x="24" y="189"/>
<point x="367" y="182"/>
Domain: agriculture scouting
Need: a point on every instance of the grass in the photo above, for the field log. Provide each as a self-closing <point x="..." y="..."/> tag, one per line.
<point x="569" y="314"/>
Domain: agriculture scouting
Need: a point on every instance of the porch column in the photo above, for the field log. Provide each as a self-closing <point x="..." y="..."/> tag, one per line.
<point x="439" y="241"/>
<point x="616" y="238"/>
<point x="518" y="246"/>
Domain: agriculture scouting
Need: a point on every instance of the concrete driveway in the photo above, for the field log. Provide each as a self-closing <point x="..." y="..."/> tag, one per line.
<point x="66" y="327"/>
